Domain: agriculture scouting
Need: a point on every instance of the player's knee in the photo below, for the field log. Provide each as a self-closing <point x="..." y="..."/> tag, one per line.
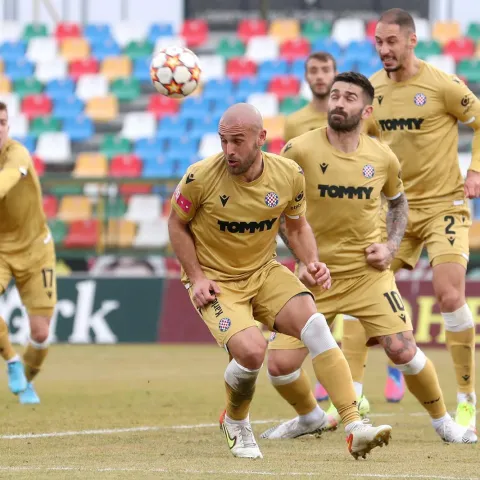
<point x="279" y="366"/>
<point x="253" y="356"/>
<point x="39" y="335"/>
<point x="39" y="329"/>
<point x="450" y="299"/>
<point x="415" y="365"/>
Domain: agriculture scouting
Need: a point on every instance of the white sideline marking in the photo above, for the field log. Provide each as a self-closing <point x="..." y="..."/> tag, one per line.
<point x="228" y="472"/>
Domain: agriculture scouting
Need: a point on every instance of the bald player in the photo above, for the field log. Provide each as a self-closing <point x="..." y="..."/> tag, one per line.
<point x="416" y="111"/>
<point x="222" y="227"/>
<point x="343" y="209"/>
<point x="27" y="254"/>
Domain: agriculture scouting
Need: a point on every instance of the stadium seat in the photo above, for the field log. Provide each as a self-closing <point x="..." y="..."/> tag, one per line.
<point x="108" y="48"/>
<point x="112" y="146"/>
<point x="267" y="103"/>
<point x="423" y="29"/>
<point x="426" y="49"/>
<point x="36" y="106"/>
<point x="230" y="47"/>
<point x="82" y="234"/>
<point x="327" y="45"/>
<point x="370" y="30"/>
<point x="443" y="32"/>
<point x="13" y="103"/>
<point x="91" y="165"/>
<point x="271" y="68"/>
<point x="102" y="109"/>
<point x="120" y="233"/>
<point x="42" y="125"/>
<point x="291" y="104"/>
<point x="260" y="49"/>
<point x="138" y="125"/>
<point x="143" y="207"/>
<point x="141" y="69"/>
<point x="195" y="107"/>
<point x="1" y="65"/>
<point x="159" y="167"/>
<point x="10" y="31"/>
<point x="159" y="30"/>
<point x="18" y="125"/>
<point x="195" y="32"/>
<point x="67" y="30"/>
<point x="73" y="49"/>
<point x="275" y="126"/>
<point x="116" y="67"/>
<point x="460" y="49"/>
<point x="369" y="67"/>
<point x="75" y="207"/>
<point x="5" y="85"/>
<point x="276" y="145"/>
<point x="171" y="127"/>
<point x="473" y="31"/>
<point x="284" y="29"/>
<point x="138" y="49"/>
<point x="58" y="230"/>
<point x="79" y="128"/>
<point x="474" y="235"/>
<point x="27" y="86"/>
<point x="296" y="48"/>
<point x="68" y="107"/>
<point x="443" y="62"/>
<point x="97" y="33"/>
<point x="55" y="70"/>
<point x="50" y="205"/>
<point x="221" y="88"/>
<point x="38" y="163"/>
<point x="284" y="86"/>
<point x="238" y="68"/>
<point x="149" y="148"/>
<point x="28" y="141"/>
<point x="213" y="67"/>
<point x="152" y="234"/>
<point x="249" y="28"/>
<point x="12" y="51"/>
<point x="314" y="29"/>
<point x="19" y="70"/>
<point x="33" y="30"/>
<point x="164" y="42"/>
<point x="470" y="70"/>
<point x="162" y="106"/>
<point x="209" y="145"/>
<point x="42" y="49"/>
<point x="54" y="147"/>
<point x="125" y="89"/>
<point x="346" y="30"/>
<point x="125" y="32"/>
<point x="184" y="147"/>
<point x="359" y="52"/>
<point x="113" y="206"/>
<point x="92" y="85"/>
<point x="83" y="67"/>
<point x="127" y="165"/>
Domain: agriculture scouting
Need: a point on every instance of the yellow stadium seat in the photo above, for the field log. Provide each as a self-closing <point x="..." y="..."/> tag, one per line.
<point x="75" y="49"/>
<point x="121" y="233"/>
<point x="274" y="126"/>
<point x="74" y="207"/>
<point x="1" y="65"/>
<point x="475" y="235"/>
<point x="116" y="67"/>
<point x="285" y="29"/>
<point x="91" y="165"/>
<point x="5" y="84"/>
<point x="477" y="51"/>
<point x="102" y="109"/>
<point x="445" y="31"/>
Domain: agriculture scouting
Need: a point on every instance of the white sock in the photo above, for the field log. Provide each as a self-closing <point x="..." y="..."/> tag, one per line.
<point x="467" y="397"/>
<point x="316" y="414"/>
<point x="16" y="358"/>
<point x="352" y="425"/>
<point x="237" y="422"/>
<point x="358" y="388"/>
<point x="438" y="422"/>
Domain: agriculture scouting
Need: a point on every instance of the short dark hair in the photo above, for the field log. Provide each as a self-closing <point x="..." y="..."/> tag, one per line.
<point x="397" y="16"/>
<point x="322" y="57"/>
<point x="3" y="106"/>
<point x="357" y="79"/>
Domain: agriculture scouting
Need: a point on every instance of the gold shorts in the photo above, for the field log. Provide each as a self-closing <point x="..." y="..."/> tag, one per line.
<point x="372" y="298"/>
<point x="258" y="298"/>
<point x="34" y="273"/>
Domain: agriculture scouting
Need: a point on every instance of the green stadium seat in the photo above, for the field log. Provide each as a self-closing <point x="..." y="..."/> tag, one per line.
<point x="470" y="70"/>
<point x="126" y="89"/>
<point x="62" y="189"/>
<point x="114" y="208"/>
<point x="292" y="104"/>
<point x="27" y="86"/>
<point x="138" y="49"/>
<point x="113" y="145"/>
<point x="473" y="31"/>
<point x="58" y="229"/>
<point x="427" y="48"/>
<point x="33" y="30"/>
<point x="41" y="125"/>
<point x="230" y="47"/>
<point x="314" y="29"/>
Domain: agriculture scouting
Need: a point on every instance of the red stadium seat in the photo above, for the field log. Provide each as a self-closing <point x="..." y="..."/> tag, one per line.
<point x="296" y="48"/>
<point x="82" y="234"/>
<point x="126" y="166"/>
<point x="195" y="32"/>
<point x="460" y="49"/>
<point x="67" y="29"/>
<point x="128" y="189"/>
<point x="250" y="28"/>
<point x="36" y="106"/>
<point x="276" y="145"/>
<point x="240" y="67"/>
<point x="50" y="206"/>
<point x="38" y="165"/>
<point x="284" y="86"/>
<point x="371" y="26"/>
<point x="82" y="67"/>
<point x="162" y="106"/>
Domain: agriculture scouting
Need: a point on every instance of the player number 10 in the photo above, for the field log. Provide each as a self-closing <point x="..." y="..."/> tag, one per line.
<point x="395" y="301"/>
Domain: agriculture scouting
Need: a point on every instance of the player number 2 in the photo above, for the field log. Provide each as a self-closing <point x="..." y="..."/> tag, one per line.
<point x="395" y="301"/>
<point x="451" y="221"/>
<point x="47" y="274"/>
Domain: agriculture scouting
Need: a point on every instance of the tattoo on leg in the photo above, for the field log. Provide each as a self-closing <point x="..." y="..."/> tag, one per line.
<point x="397" y="346"/>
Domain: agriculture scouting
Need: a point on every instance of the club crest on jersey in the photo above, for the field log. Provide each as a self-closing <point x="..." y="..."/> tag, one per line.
<point x="419" y="99"/>
<point x="271" y="199"/>
<point x="368" y="171"/>
<point x="272" y="336"/>
<point x="224" y="324"/>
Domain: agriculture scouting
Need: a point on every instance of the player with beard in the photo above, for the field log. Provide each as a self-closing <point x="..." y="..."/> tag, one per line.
<point x="343" y="205"/>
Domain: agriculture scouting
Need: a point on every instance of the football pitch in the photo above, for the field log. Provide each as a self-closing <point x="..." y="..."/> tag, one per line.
<point x="141" y="412"/>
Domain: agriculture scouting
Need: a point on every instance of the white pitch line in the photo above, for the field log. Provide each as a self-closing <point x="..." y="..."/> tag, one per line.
<point x="226" y="472"/>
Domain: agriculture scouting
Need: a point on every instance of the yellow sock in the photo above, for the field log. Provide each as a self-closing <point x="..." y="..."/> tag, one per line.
<point x="238" y="403"/>
<point x="425" y="387"/>
<point x="6" y="350"/>
<point x="33" y="358"/>
<point x="354" y="348"/>
<point x="462" y="349"/>
<point x="298" y="393"/>
<point x="331" y="370"/>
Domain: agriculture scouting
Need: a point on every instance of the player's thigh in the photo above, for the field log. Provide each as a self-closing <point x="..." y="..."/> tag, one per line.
<point x="5" y="274"/>
<point x="377" y="303"/>
<point x="36" y="279"/>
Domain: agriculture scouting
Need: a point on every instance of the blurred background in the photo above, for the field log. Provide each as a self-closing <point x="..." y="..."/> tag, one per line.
<point x="110" y="150"/>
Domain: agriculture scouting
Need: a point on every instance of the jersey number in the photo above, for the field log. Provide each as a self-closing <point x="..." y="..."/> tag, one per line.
<point x="451" y="222"/>
<point x="47" y="274"/>
<point x="395" y="301"/>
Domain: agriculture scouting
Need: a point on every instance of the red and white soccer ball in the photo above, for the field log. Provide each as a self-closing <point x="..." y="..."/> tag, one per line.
<point x="175" y="72"/>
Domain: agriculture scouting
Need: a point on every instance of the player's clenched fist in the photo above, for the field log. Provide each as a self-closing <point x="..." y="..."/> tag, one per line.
<point x="315" y="273"/>
<point x="472" y="184"/>
<point x="379" y="255"/>
<point x="204" y="292"/>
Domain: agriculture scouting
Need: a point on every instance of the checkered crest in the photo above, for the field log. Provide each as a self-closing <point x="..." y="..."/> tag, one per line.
<point x="224" y="324"/>
<point x="271" y="199"/>
<point x="420" y="99"/>
<point x="368" y="171"/>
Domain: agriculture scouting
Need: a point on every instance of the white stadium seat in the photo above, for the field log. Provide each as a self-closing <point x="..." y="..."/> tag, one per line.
<point x="443" y="62"/>
<point x="305" y="91"/>
<point x="152" y="234"/>
<point x="52" y="70"/>
<point x="262" y="48"/>
<point x="10" y="31"/>
<point x="209" y="145"/>
<point x="213" y="67"/>
<point x="423" y="29"/>
<point x="138" y="125"/>
<point x="54" y="147"/>
<point x="92" y="85"/>
<point x="164" y="42"/>
<point x="42" y="49"/>
<point x="267" y="103"/>
<point x="13" y="103"/>
<point x="347" y="30"/>
<point x="144" y="207"/>
<point x="125" y="32"/>
<point x="18" y="125"/>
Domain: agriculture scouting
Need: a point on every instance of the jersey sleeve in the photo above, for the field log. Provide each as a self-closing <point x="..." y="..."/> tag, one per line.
<point x="372" y="128"/>
<point x="15" y="167"/>
<point x="298" y="205"/>
<point x="187" y="197"/>
<point x="393" y="186"/>
<point x="287" y="130"/>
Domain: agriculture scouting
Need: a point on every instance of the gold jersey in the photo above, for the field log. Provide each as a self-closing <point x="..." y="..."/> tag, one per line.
<point x="21" y="208"/>
<point x="343" y="192"/>
<point x="234" y="224"/>
<point x="418" y="119"/>
<point x="302" y="121"/>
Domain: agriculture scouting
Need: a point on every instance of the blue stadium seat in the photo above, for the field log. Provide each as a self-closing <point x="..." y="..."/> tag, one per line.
<point x="327" y="45"/>
<point x="29" y="142"/>
<point x="107" y="48"/>
<point x="60" y="89"/>
<point x="171" y="127"/>
<point x="12" y="51"/>
<point x="221" y="104"/>
<point x="195" y="107"/>
<point x="359" y="51"/>
<point x="476" y="208"/>
<point x="159" y="30"/>
<point x="67" y="108"/>
<point x="368" y="68"/>
<point x="158" y="166"/>
<point x="19" y="70"/>
<point x="149" y="148"/>
<point x="204" y="125"/>
<point x="345" y="64"/>
<point x="78" y="128"/>
<point x="182" y="163"/>
<point x="271" y="68"/>
<point x="247" y="86"/>
<point x="141" y="69"/>
<point x="298" y="68"/>
<point x="182" y="146"/>
<point x="97" y="33"/>
<point x="218" y="89"/>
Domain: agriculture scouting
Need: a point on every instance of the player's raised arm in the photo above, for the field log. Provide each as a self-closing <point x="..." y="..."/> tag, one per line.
<point x="16" y="167"/>
<point x="465" y="106"/>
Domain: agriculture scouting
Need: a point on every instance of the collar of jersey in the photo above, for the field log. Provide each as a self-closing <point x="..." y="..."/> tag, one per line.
<point x="236" y="178"/>
<point x="339" y="153"/>
<point x="406" y="82"/>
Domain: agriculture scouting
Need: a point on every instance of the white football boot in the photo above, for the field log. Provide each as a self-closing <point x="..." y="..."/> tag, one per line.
<point x="364" y="437"/>
<point x="451" y="432"/>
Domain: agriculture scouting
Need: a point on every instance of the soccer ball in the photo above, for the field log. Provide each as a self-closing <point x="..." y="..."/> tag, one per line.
<point x="175" y="72"/>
